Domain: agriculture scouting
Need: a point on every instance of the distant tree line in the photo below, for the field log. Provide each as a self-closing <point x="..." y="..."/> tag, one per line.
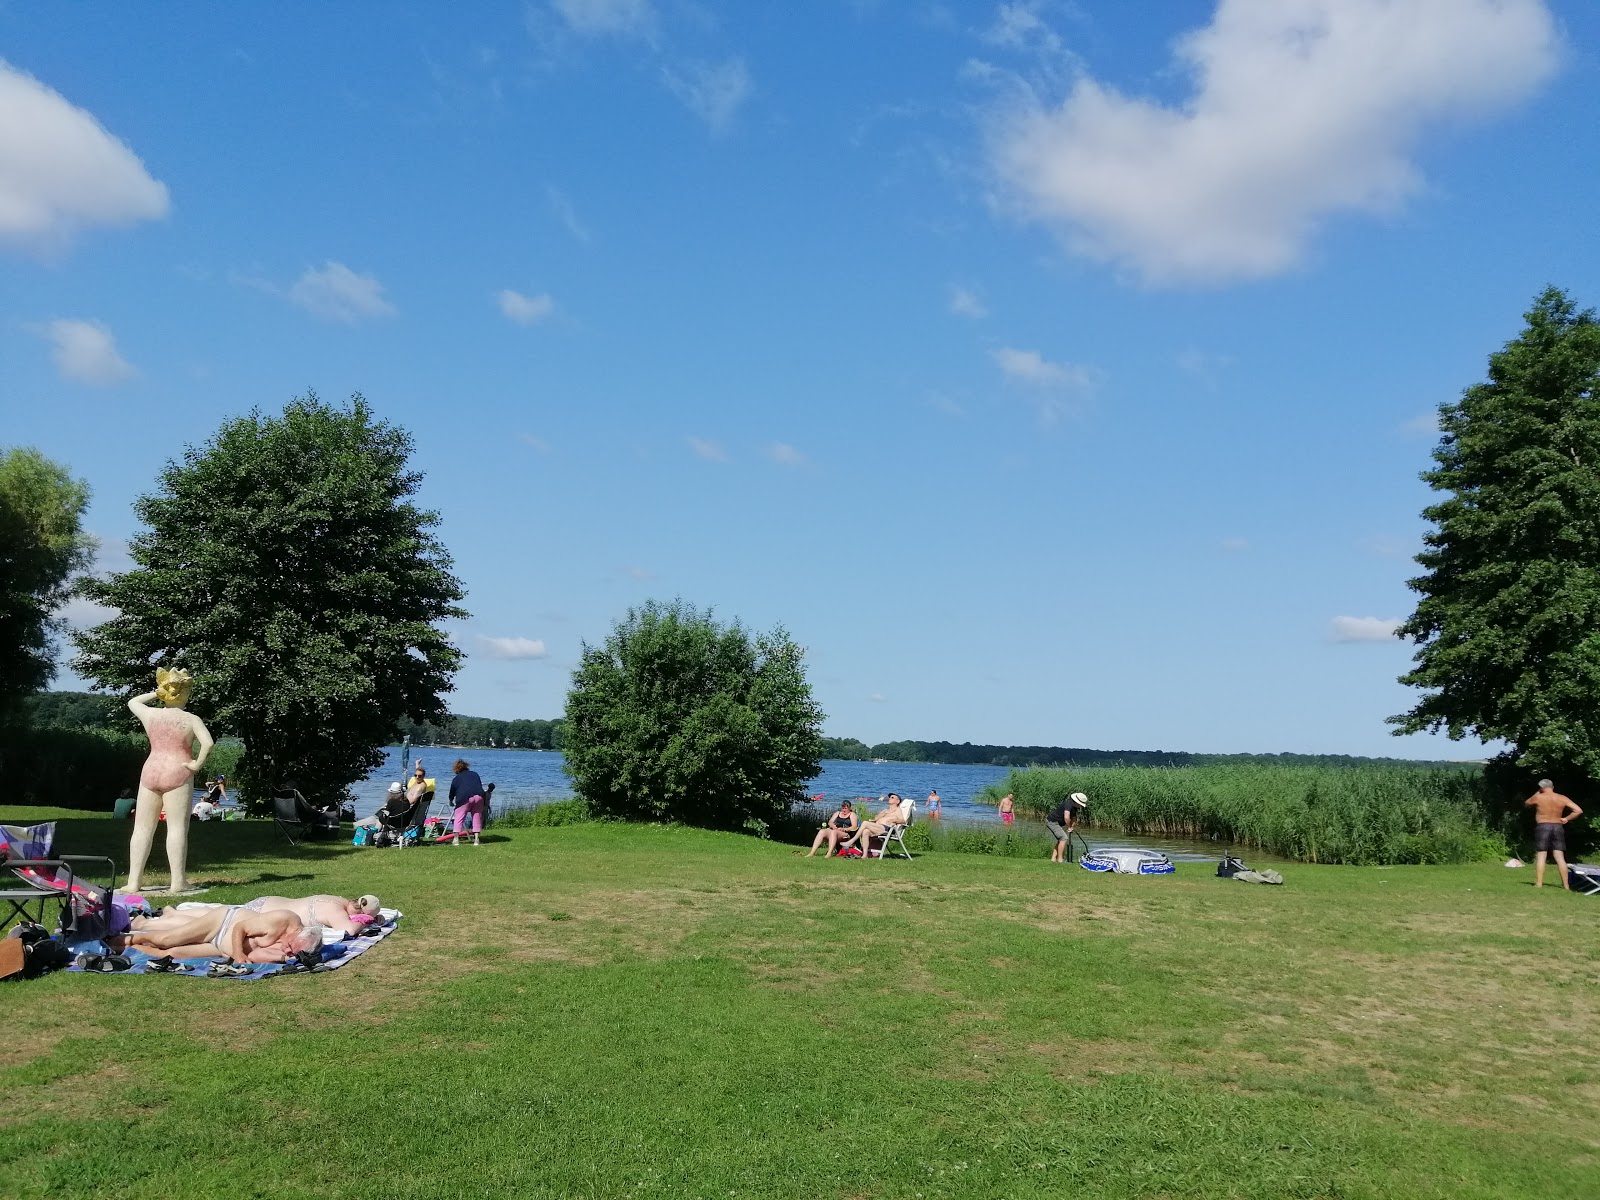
<point x="852" y="749"/>
<point x="459" y="730"/>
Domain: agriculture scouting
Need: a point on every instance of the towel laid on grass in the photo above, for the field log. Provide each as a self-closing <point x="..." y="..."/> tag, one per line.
<point x="334" y="955"/>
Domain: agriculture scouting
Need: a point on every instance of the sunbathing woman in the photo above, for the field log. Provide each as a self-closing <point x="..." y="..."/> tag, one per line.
<point x="333" y="911"/>
<point x="225" y="931"/>
<point x="840" y="827"/>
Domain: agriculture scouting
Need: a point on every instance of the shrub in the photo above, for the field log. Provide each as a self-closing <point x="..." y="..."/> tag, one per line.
<point x="70" y="768"/>
<point x="678" y="717"/>
<point x="551" y="813"/>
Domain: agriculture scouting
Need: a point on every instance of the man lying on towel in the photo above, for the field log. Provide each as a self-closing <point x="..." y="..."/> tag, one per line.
<point x="226" y="931"/>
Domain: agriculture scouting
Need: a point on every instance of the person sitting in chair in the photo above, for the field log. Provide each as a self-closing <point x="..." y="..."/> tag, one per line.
<point x="879" y="826"/>
<point x="840" y="827"/>
<point x="396" y="809"/>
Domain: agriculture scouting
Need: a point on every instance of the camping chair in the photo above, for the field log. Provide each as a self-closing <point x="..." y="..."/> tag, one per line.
<point x="411" y="831"/>
<point x="1583" y="879"/>
<point x="897" y="833"/>
<point x="293" y="815"/>
<point x="30" y="874"/>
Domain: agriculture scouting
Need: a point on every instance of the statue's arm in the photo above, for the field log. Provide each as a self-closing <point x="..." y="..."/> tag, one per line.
<point x="203" y="736"/>
<point x="139" y="706"/>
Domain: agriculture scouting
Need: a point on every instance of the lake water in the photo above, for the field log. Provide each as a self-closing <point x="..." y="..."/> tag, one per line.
<point x="528" y="778"/>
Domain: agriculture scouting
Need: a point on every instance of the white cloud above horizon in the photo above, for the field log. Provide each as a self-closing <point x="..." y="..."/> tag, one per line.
<point x="62" y="172"/>
<point x="566" y="212"/>
<point x="1300" y="110"/>
<point x="80" y="612"/>
<point x="965" y="303"/>
<point x="708" y="450"/>
<point x="714" y="92"/>
<point x="525" y="310"/>
<point x="786" y="455"/>
<point x="336" y="293"/>
<point x="607" y="18"/>
<point x="1364" y="629"/>
<point x="1033" y="368"/>
<point x="512" y="647"/>
<point x="85" y="351"/>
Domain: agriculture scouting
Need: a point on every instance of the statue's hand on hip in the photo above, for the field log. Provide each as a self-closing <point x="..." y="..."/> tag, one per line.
<point x="192" y="765"/>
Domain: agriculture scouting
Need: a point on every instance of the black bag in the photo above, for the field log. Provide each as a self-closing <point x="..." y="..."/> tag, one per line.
<point x="1229" y="867"/>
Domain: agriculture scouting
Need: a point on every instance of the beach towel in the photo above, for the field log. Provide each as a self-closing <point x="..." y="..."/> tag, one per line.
<point x="335" y="954"/>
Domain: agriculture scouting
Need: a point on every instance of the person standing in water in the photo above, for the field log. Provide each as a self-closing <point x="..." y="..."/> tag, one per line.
<point x="1551" y="813"/>
<point x="1008" y="809"/>
<point x="933" y="806"/>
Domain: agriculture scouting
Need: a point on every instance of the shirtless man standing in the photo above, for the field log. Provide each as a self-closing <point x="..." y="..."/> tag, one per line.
<point x="228" y="931"/>
<point x="1551" y="814"/>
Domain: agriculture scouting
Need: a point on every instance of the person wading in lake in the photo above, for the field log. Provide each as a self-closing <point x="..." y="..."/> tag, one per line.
<point x="1551" y="813"/>
<point x="933" y="807"/>
<point x="1008" y="808"/>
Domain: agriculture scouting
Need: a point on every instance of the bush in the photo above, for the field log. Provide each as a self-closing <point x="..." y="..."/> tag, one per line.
<point x="1360" y="815"/>
<point x="551" y="813"/>
<point x="681" y="718"/>
<point x="70" y="768"/>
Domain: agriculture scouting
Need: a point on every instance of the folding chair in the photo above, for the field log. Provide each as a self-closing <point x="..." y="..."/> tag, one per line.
<point x="411" y="831"/>
<point x="1583" y="879"/>
<point x="26" y="860"/>
<point x="293" y="816"/>
<point x="897" y="833"/>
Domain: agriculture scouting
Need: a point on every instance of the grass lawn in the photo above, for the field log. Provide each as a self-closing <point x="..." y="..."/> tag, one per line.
<point x="604" y="1010"/>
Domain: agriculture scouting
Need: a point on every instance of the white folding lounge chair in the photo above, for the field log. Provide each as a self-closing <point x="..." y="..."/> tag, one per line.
<point x="897" y="833"/>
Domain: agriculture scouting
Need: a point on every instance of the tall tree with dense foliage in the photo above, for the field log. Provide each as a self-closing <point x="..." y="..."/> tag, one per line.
<point x="680" y="717"/>
<point x="1508" y="627"/>
<point x="42" y="544"/>
<point x="285" y="565"/>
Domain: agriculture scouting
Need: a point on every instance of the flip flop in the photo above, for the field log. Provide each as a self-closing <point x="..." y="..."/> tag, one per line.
<point x="104" y="963"/>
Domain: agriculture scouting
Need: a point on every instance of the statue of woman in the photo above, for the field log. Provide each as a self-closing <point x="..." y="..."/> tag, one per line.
<point x="167" y="781"/>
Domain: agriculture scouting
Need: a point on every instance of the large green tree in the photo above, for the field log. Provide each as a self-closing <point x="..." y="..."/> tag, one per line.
<point x="42" y="544"/>
<point x="285" y="565"/>
<point x="681" y="717"/>
<point x="1508" y="626"/>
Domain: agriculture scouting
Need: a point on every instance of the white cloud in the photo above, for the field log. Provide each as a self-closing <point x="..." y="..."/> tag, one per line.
<point x="525" y="310"/>
<point x="336" y="293"/>
<point x="1364" y="629"/>
<point x="714" y="92"/>
<point x="1018" y="26"/>
<point x="708" y="450"/>
<point x="620" y="18"/>
<point x="965" y="303"/>
<point x="1427" y="425"/>
<point x="785" y="455"/>
<point x="61" y="171"/>
<point x="512" y="647"/>
<point x="1301" y="109"/>
<point x="1033" y="368"/>
<point x="564" y="212"/>
<point x="85" y="351"/>
<point x="877" y="697"/>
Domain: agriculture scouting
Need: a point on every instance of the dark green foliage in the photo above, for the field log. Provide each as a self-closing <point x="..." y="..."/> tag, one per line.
<point x="1508" y="627"/>
<point x="1366" y="815"/>
<point x="286" y="567"/>
<point x="41" y="546"/>
<point x="79" y="710"/>
<point x="678" y="717"/>
<point x="1069" y="756"/>
<point x="458" y="730"/>
<point x="70" y="768"/>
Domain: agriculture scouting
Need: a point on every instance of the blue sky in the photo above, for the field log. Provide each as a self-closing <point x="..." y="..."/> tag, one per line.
<point x="1057" y="373"/>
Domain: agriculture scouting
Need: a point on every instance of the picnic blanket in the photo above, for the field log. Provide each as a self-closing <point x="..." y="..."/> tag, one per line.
<point x="335" y="954"/>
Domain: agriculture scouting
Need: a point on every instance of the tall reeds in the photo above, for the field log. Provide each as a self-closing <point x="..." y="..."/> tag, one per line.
<point x="1358" y="815"/>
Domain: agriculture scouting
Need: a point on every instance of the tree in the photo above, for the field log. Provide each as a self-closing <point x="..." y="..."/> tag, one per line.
<point x="41" y="546"/>
<point x="1508" y="627"/>
<point x="285" y="565"/>
<point x="679" y="717"/>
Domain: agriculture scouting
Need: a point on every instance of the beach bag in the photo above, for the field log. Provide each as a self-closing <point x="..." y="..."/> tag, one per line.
<point x="363" y="836"/>
<point x="1230" y="867"/>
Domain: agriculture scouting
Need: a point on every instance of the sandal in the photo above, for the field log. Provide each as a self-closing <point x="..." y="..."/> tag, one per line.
<point x="165" y="965"/>
<point x="104" y="963"/>
<point x="231" y="970"/>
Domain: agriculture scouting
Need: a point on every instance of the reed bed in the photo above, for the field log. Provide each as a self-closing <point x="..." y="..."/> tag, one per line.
<point x="1355" y="815"/>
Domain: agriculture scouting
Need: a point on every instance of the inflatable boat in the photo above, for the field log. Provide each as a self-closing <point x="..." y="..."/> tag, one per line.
<point x="1127" y="862"/>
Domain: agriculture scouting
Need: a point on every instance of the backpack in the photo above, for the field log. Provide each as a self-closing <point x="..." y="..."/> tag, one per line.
<point x="1229" y="867"/>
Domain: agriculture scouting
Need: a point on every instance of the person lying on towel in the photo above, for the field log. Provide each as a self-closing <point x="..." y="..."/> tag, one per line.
<point x="346" y="916"/>
<point x="225" y="931"/>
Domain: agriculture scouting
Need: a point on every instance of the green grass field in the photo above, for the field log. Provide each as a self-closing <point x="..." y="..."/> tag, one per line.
<point x="605" y="1010"/>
